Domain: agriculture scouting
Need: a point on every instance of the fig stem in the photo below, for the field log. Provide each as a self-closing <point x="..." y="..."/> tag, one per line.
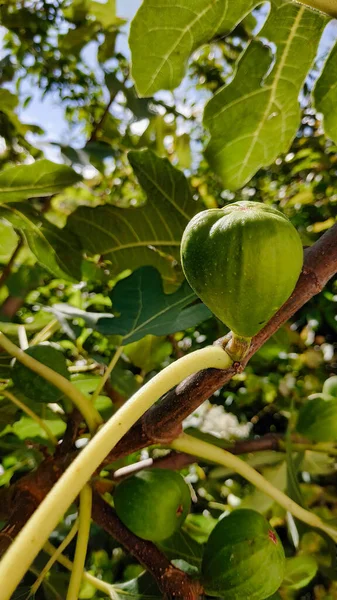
<point x="84" y="521"/>
<point x="328" y="7"/>
<point x="201" y="449"/>
<point x="238" y="346"/>
<point x="36" y="531"/>
<point x="90" y="414"/>
<point x="28" y="411"/>
<point x="99" y="584"/>
<point x="54" y="557"/>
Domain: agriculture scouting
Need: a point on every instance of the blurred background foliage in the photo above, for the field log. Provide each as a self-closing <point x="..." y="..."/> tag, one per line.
<point x="45" y="46"/>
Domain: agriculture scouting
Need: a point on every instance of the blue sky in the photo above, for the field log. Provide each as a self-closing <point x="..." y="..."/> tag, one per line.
<point x="48" y="112"/>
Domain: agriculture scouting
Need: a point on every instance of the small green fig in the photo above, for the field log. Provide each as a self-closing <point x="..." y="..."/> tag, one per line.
<point x="153" y="504"/>
<point x="243" y="559"/>
<point x="243" y="261"/>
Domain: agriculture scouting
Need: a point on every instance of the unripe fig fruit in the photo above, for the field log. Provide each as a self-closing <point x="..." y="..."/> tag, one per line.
<point x="153" y="504"/>
<point x="243" y="261"/>
<point x="243" y="558"/>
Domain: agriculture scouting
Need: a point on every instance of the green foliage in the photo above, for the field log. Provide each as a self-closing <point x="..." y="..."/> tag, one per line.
<point x="182" y="28"/>
<point x="125" y="236"/>
<point x="42" y="178"/>
<point x="148" y="311"/>
<point x="299" y="571"/>
<point x="219" y="102"/>
<point x="325" y="95"/>
<point x="153" y="503"/>
<point x="34" y="386"/>
<point x="255" y="118"/>
<point x="317" y="419"/>
<point x="330" y="386"/>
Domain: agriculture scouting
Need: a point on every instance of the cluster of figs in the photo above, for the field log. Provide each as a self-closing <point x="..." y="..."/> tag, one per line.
<point x="243" y="557"/>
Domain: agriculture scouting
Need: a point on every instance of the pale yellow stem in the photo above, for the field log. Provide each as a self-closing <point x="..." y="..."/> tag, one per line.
<point x="90" y="414"/>
<point x="45" y="333"/>
<point x="201" y="449"/>
<point x="30" y="414"/>
<point x="107" y="588"/>
<point x="36" y="531"/>
<point x="82" y="543"/>
<point x="107" y="373"/>
<point x="57" y="552"/>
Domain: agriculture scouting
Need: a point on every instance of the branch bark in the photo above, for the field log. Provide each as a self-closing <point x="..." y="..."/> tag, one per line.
<point x="172" y="582"/>
<point x="159" y="424"/>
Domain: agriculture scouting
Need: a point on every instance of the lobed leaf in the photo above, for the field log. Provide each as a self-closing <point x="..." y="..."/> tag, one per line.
<point x="148" y="235"/>
<point x="58" y="250"/>
<point x="325" y="94"/>
<point x="254" y="118"/>
<point x="183" y="26"/>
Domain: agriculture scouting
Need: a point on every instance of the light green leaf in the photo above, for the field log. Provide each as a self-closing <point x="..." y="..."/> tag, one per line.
<point x="254" y="118"/>
<point x="27" y="428"/>
<point x="325" y="94"/>
<point x="42" y="178"/>
<point x="58" y="250"/>
<point x="258" y="500"/>
<point x="148" y="235"/>
<point x="8" y="241"/>
<point x="149" y="352"/>
<point x="105" y="13"/>
<point x="8" y="101"/>
<point x="300" y="570"/>
<point x="144" y="308"/>
<point x="182" y="26"/>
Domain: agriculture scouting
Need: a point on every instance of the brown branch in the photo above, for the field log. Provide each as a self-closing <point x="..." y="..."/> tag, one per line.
<point x="172" y="582"/>
<point x="99" y="124"/>
<point x="159" y="424"/>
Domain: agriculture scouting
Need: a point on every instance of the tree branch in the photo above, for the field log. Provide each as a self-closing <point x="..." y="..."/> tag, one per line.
<point x="159" y="424"/>
<point x="171" y="581"/>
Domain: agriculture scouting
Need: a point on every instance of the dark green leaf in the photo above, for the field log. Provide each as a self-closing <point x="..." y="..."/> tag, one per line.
<point x="144" y="308"/>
